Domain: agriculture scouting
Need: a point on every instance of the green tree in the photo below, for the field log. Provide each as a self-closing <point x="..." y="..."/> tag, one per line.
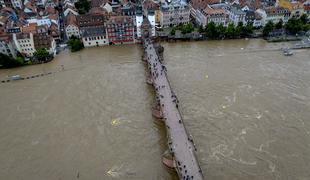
<point x="304" y="19"/>
<point x="269" y="27"/>
<point x="211" y="31"/>
<point x="294" y="25"/>
<point x="9" y="62"/>
<point x="230" y="30"/>
<point x="201" y="29"/>
<point x="249" y="29"/>
<point x="279" y="25"/>
<point x="41" y="54"/>
<point x="83" y="6"/>
<point x="172" y="32"/>
<point x="187" y="28"/>
<point x="75" y="44"/>
<point x="221" y="31"/>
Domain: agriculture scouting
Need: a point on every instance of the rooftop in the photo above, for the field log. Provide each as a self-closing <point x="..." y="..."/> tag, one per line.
<point x="210" y="11"/>
<point x="71" y="20"/>
<point x="93" y="31"/>
<point x="119" y="20"/>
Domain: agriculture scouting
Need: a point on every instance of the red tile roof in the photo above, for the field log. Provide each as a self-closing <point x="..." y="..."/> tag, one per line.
<point x="71" y="20"/>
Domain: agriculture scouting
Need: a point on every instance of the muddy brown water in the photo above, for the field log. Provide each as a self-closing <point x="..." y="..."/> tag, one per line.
<point x="246" y="105"/>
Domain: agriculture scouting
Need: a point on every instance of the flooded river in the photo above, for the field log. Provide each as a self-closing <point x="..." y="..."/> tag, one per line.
<point x="246" y="105"/>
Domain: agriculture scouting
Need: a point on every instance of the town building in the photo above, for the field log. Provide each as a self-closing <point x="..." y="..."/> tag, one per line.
<point x="120" y="30"/>
<point x="6" y="3"/>
<point x="24" y="43"/>
<point x="139" y="20"/>
<point x="41" y="3"/>
<point x="94" y="36"/>
<point x="174" y="13"/>
<point x="70" y="9"/>
<point x="253" y="18"/>
<point x="207" y="15"/>
<point x="17" y="4"/>
<point x="307" y="9"/>
<point x="297" y="9"/>
<point x="151" y="19"/>
<point x="107" y="7"/>
<point x="196" y="5"/>
<point x="41" y="21"/>
<point x="128" y="9"/>
<point x="7" y="46"/>
<point x="87" y="20"/>
<point x="236" y="15"/>
<point x="30" y="8"/>
<point x="71" y="26"/>
<point x="42" y="39"/>
<point x="92" y="29"/>
<point x="151" y="5"/>
<point x="274" y="14"/>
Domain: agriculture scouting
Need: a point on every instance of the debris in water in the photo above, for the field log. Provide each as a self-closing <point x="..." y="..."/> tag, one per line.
<point x="115" y="122"/>
<point x="114" y="171"/>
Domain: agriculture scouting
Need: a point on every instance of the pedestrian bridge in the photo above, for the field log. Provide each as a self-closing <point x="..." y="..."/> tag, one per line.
<point x="181" y="146"/>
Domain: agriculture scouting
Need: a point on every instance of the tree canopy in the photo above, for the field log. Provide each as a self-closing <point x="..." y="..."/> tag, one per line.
<point x="214" y="31"/>
<point x="295" y="25"/>
<point x="83" y="6"/>
<point x="75" y="44"/>
<point x="268" y="28"/>
<point x="279" y="25"/>
<point x="9" y="62"/>
<point x="172" y="32"/>
<point x="41" y="54"/>
<point x="187" y="28"/>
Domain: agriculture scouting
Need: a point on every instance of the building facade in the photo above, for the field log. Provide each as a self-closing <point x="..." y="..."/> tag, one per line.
<point x="174" y="13"/>
<point x="236" y="15"/>
<point x="207" y="15"/>
<point x="7" y="46"/>
<point x="42" y="39"/>
<point x="139" y="20"/>
<point x="92" y="30"/>
<point x="274" y="14"/>
<point x="151" y="18"/>
<point x="94" y="36"/>
<point x="24" y="43"/>
<point x="120" y="30"/>
<point x="72" y="28"/>
<point x="17" y="4"/>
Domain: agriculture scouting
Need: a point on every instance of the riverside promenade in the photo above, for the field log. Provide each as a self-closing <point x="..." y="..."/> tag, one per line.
<point x="181" y="146"/>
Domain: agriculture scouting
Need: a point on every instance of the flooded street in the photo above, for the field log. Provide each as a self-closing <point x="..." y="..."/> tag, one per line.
<point x="246" y="105"/>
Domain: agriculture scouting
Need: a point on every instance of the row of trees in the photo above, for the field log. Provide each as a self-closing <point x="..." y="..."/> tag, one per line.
<point x="213" y="31"/>
<point x="9" y="62"/>
<point x="293" y="26"/>
<point x="185" y="28"/>
<point x="41" y="55"/>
